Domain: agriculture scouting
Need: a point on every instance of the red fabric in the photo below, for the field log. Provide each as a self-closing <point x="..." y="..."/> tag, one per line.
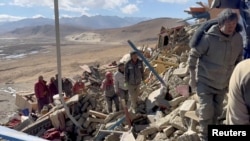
<point x="78" y="87"/>
<point x="41" y="89"/>
<point x="108" y="81"/>
<point x="51" y="134"/>
<point x="12" y="123"/>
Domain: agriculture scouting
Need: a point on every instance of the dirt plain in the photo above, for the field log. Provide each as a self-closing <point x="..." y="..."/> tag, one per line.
<point x="21" y="64"/>
<point x="24" y="57"/>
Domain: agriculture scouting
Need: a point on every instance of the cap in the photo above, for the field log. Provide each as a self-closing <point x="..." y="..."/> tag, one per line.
<point x="120" y="64"/>
<point x="133" y="52"/>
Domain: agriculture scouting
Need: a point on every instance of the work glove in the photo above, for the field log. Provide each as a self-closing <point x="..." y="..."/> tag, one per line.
<point x="192" y="81"/>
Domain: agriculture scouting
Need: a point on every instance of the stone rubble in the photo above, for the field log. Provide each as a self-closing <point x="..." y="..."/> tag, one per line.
<point x="168" y="114"/>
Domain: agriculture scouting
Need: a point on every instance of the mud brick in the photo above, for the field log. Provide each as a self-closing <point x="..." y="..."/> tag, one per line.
<point x="149" y="131"/>
<point x="176" y="101"/>
<point x="169" y="130"/>
<point x="189" y="136"/>
<point x="160" y="136"/>
<point x="177" y="123"/>
<point x="141" y="137"/>
<point x="165" y="121"/>
<point x="188" y="105"/>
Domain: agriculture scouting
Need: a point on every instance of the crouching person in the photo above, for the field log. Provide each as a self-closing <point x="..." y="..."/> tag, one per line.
<point x="109" y="92"/>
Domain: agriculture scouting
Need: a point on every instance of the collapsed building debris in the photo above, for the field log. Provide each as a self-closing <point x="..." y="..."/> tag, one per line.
<point x="165" y="111"/>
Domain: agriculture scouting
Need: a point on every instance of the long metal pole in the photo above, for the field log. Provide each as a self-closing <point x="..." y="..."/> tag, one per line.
<point x="58" y="50"/>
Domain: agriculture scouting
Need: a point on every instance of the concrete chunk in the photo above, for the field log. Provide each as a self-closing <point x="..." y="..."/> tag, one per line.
<point x="189" y="136"/>
<point x="149" y="131"/>
<point x="176" y="101"/>
<point x="127" y="136"/>
<point x="192" y="115"/>
<point x="160" y="136"/>
<point x="150" y="103"/>
<point x="165" y="121"/>
<point x="168" y="131"/>
<point x="177" y="123"/>
<point x="181" y="72"/>
<point x="188" y="105"/>
<point x="141" y="137"/>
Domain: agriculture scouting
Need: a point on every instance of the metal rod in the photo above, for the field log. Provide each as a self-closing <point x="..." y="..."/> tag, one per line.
<point x="147" y="63"/>
<point x="58" y="50"/>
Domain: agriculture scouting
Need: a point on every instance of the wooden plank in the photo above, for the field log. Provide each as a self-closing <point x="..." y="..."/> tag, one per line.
<point x="111" y="131"/>
<point x="97" y="114"/>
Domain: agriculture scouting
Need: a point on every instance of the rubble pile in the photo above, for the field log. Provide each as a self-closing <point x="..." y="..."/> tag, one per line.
<point x="163" y="113"/>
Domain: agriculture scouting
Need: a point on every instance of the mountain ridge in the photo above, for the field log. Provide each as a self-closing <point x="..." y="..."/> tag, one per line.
<point x="94" y="22"/>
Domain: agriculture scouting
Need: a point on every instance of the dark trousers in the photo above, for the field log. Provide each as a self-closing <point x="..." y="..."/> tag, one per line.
<point x="42" y="102"/>
<point x="110" y="100"/>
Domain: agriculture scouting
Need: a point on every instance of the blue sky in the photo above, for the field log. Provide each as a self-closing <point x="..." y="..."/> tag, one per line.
<point x="11" y="10"/>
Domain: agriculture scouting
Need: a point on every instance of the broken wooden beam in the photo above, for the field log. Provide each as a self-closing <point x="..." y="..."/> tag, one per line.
<point x="98" y="114"/>
<point x="111" y="131"/>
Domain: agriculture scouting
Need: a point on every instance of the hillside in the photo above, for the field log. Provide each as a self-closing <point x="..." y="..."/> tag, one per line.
<point x="145" y="31"/>
<point x="93" y="22"/>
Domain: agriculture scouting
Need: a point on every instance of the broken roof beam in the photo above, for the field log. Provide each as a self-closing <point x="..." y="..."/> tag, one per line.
<point x="98" y="114"/>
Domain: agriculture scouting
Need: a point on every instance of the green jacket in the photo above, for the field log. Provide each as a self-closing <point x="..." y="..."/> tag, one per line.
<point x="215" y="57"/>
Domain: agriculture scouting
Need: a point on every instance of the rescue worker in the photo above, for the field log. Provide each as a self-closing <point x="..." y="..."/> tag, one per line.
<point x="109" y="92"/>
<point x="134" y="75"/>
<point x="238" y="107"/>
<point x="214" y="57"/>
<point x="120" y="88"/>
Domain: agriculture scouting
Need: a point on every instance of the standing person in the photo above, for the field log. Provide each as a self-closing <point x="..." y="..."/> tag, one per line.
<point x="243" y="7"/>
<point x="133" y="76"/>
<point x="79" y="87"/>
<point x="120" y="87"/>
<point x="67" y="87"/>
<point x="52" y="88"/>
<point x="41" y="92"/>
<point x="215" y="56"/>
<point x="238" y="107"/>
<point x="109" y="92"/>
<point x="57" y="82"/>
